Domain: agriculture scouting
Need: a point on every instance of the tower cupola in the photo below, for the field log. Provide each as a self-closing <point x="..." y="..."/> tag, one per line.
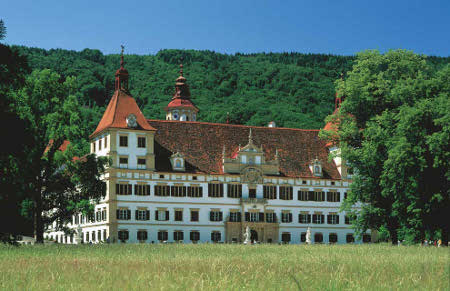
<point x="181" y="107"/>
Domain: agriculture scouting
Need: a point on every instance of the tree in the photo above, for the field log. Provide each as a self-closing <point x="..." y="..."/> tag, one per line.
<point x="393" y="130"/>
<point x="2" y="29"/>
<point x="59" y="183"/>
<point x="13" y="69"/>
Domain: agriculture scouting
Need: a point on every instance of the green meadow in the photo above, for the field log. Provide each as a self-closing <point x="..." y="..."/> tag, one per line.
<point x="223" y="266"/>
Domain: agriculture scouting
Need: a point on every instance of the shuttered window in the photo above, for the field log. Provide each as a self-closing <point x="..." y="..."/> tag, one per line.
<point x="124" y="189"/>
<point x="270" y="192"/>
<point x="215" y="190"/>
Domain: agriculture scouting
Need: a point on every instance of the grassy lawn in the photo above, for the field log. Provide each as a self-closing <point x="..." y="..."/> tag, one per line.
<point x="207" y="266"/>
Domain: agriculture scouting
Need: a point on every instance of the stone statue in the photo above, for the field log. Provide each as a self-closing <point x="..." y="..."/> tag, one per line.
<point x="308" y="235"/>
<point x="247" y="236"/>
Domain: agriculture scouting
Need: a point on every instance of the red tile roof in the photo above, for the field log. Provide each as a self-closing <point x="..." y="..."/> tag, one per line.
<point x="184" y="103"/>
<point x="120" y="106"/>
<point x="202" y="143"/>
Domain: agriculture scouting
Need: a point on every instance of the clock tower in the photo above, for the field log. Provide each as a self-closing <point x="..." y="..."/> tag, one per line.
<point x="181" y="107"/>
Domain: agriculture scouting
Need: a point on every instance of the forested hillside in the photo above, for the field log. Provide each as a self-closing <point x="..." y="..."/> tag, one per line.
<point x="293" y="89"/>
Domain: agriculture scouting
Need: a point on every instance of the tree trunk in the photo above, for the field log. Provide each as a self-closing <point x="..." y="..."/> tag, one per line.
<point x="38" y="222"/>
<point x="392" y="228"/>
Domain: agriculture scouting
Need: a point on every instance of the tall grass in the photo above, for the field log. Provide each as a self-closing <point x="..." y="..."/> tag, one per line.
<point x="207" y="267"/>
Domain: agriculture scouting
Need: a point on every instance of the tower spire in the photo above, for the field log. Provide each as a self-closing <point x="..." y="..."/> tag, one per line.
<point x="121" y="82"/>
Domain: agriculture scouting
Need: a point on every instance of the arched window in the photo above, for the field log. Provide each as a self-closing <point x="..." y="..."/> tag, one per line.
<point x="318" y="238"/>
<point x="332" y="238"/>
<point x="178" y="164"/>
<point x="350" y="238"/>
<point x="317" y="169"/>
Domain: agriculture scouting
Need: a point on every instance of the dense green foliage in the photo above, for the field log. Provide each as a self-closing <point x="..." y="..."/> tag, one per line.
<point x="295" y="90"/>
<point x="223" y="267"/>
<point x="394" y="131"/>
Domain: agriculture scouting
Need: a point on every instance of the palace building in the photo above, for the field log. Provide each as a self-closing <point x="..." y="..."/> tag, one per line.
<point x="182" y="180"/>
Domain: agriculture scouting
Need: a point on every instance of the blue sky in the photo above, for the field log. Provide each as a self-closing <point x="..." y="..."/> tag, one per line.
<point x="337" y="27"/>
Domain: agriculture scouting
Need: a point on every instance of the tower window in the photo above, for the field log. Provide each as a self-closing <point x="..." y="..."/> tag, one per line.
<point x="141" y="142"/>
<point x="123" y="141"/>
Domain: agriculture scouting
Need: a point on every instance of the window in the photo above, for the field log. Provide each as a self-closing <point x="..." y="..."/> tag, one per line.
<point x="104" y="214"/>
<point x="366" y="238"/>
<point x="285" y="193"/>
<point x="215" y="190"/>
<point x="194" y="178"/>
<point x="215" y="215"/>
<point x="77" y="219"/>
<point x="318" y="218"/>
<point x="93" y="146"/>
<point x="348" y="219"/>
<point x="304" y="182"/>
<point x="123" y="189"/>
<point x="163" y="235"/>
<point x="194" y="191"/>
<point x="142" y="235"/>
<point x="162" y="215"/>
<point x="216" y="236"/>
<point x="234" y="190"/>
<point x="99" y="144"/>
<point x="332" y="238"/>
<point x="286" y="237"/>
<point x="178" y="215"/>
<point x="178" y="163"/>
<point x="271" y="217"/>
<point x="178" y="235"/>
<point x="303" y="195"/>
<point x="142" y="215"/>
<point x="254" y="216"/>
<point x="333" y="197"/>
<point x="104" y="235"/>
<point x="304" y="218"/>
<point x="345" y="195"/>
<point x="106" y="142"/>
<point x="318" y="238"/>
<point x="123" y="163"/>
<point x="286" y="217"/>
<point x="98" y="216"/>
<point x="350" y="238"/>
<point x="123" y="141"/>
<point x="141" y="142"/>
<point x="333" y="219"/>
<point x="178" y="191"/>
<point x="162" y="190"/>
<point x="194" y="236"/>
<point x="141" y="164"/>
<point x="303" y="237"/>
<point x="123" y="235"/>
<point x="123" y="214"/>
<point x="93" y="236"/>
<point x="194" y="215"/>
<point x="235" y="217"/>
<point x="161" y="176"/>
<point x="319" y="196"/>
<point x="142" y="190"/>
<point x="270" y="192"/>
<point x="251" y="193"/>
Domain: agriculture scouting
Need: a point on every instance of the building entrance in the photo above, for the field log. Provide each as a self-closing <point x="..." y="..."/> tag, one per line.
<point x="253" y="235"/>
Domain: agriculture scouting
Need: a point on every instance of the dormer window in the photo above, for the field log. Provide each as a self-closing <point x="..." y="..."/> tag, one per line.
<point x="316" y="168"/>
<point x="177" y="161"/>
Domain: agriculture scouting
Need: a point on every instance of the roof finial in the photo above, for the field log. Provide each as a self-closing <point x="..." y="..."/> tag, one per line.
<point x="181" y="66"/>
<point x="250" y="137"/>
<point x="121" y="55"/>
<point x="228" y="117"/>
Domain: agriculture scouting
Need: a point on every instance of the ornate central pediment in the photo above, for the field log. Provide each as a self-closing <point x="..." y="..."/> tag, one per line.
<point x="250" y="162"/>
<point x="252" y="175"/>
